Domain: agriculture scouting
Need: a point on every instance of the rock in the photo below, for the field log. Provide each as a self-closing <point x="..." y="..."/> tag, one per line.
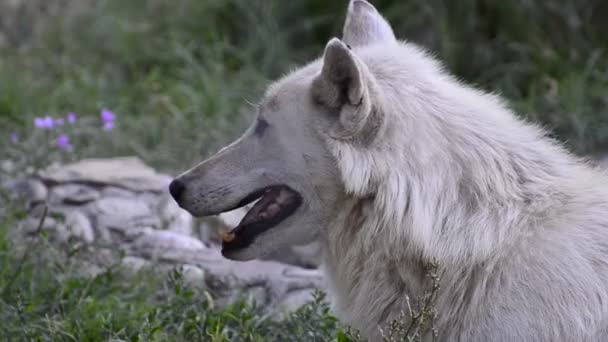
<point x="175" y="218"/>
<point x="124" y="172"/>
<point x="134" y="264"/>
<point x="269" y="283"/>
<point x="56" y="230"/>
<point x="121" y="213"/>
<point x="31" y="225"/>
<point x="128" y="235"/>
<point x="603" y="162"/>
<point x="112" y="191"/>
<point x="79" y="226"/>
<point x="73" y="194"/>
<point x="32" y="191"/>
<point x="7" y="166"/>
<point x="167" y="245"/>
<point x="193" y="275"/>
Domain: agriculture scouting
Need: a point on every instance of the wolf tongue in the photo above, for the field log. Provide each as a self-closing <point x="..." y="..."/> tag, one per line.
<point x="260" y="206"/>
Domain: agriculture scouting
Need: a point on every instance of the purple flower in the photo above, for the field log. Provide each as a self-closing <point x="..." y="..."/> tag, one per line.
<point x="14" y="138"/>
<point x="72" y="117"/>
<point x="63" y="142"/>
<point x="108" y="126"/>
<point x="107" y="116"/>
<point x="59" y="122"/>
<point x="46" y="122"/>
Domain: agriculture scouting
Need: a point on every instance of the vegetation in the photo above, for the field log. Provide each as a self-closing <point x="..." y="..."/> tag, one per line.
<point x="178" y="77"/>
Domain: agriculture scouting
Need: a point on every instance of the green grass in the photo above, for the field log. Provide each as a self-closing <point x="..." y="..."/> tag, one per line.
<point x="179" y="76"/>
<point x="46" y="296"/>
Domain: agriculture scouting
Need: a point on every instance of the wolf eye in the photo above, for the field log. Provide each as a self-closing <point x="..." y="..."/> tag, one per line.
<point x="260" y="127"/>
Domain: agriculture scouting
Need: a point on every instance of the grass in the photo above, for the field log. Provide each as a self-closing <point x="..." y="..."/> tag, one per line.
<point x="179" y="76"/>
<point x="45" y="296"/>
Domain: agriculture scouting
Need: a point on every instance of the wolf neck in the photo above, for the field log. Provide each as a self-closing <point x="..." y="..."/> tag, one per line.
<point x="450" y="179"/>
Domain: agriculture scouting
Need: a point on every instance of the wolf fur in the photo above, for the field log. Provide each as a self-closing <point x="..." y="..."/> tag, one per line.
<point x="400" y="164"/>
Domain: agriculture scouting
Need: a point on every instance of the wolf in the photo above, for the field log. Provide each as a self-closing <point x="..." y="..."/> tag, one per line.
<point x="376" y="151"/>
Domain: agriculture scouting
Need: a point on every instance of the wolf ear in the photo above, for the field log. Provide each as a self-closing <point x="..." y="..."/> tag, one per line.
<point x="364" y="25"/>
<point x="343" y="86"/>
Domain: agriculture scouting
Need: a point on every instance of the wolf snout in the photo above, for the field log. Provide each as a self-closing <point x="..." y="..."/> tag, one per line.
<point x="176" y="189"/>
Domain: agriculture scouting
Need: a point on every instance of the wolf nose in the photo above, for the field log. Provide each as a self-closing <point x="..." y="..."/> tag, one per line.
<point x="176" y="189"/>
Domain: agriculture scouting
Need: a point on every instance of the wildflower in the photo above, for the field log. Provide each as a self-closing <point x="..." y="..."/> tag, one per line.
<point x="46" y="122"/>
<point x="108" y="126"/>
<point x="72" y="117"/>
<point x="107" y="116"/>
<point x="63" y="142"/>
<point x="14" y="138"/>
<point x="59" y="122"/>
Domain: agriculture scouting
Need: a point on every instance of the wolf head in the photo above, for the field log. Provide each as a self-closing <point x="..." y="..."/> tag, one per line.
<point x="285" y="159"/>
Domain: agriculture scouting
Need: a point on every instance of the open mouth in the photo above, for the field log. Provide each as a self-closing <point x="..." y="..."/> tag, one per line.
<point x="274" y="204"/>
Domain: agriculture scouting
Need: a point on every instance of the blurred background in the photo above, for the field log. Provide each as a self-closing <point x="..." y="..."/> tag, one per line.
<point x="170" y="82"/>
<point x="179" y="75"/>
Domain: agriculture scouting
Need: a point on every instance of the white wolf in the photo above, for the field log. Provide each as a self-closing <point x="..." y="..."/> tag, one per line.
<point x="390" y="162"/>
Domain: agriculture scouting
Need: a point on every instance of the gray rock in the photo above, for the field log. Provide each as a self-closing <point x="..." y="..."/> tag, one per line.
<point x="268" y="282"/>
<point x="73" y="194"/>
<point x="121" y="213"/>
<point x="79" y="226"/>
<point x="7" y="166"/>
<point x="603" y="162"/>
<point x="28" y="190"/>
<point x="31" y="225"/>
<point x="193" y="275"/>
<point x="124" y="172"/>
<point x="112" y="191"/>
<point x="175" y="218"/>
<point x="167" y="246"/>
<point x="128" y="235"/>
<point x="133" y="263"/>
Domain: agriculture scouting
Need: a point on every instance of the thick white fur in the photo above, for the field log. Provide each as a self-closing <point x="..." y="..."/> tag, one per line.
<point x="518" y="225"/>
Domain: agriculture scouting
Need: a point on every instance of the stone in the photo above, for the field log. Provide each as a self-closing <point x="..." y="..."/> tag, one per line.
<point x="79" y="226"/>
<point x="31" y="190"/>
<point x="121" y="213"/>
<point x="112" y="191"/>
<point x="128" y="235"/>
<point x="193" y="275"/>
<point x="603" y="162"/>
<point x="123" y="172"/>
<point x="73" y="194"/>
<point x="7" y="166"/>
<point x="175" y="218"/>
<point x="133" y="263"/>
<point x="229" y="280"/>
<point x="31" y="225"/>
<point x="167" y="245"/>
